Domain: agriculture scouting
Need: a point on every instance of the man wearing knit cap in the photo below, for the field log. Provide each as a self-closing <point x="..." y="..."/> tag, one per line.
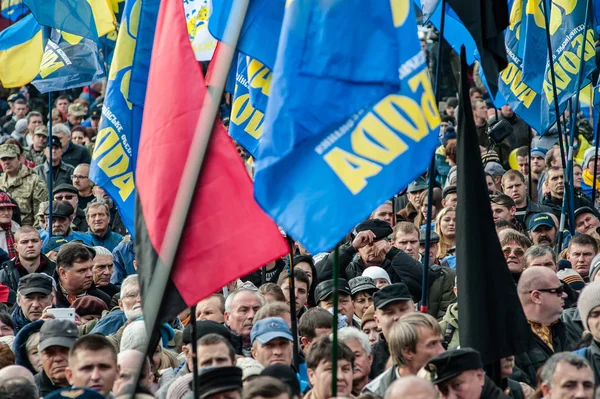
<point x="594" y="269"/>
<point x="589" y="311"/>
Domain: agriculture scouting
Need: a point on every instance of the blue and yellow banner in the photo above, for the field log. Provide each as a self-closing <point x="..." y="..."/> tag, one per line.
<point x="334" y="148"/>
<point x="533" y="47"/>
<point x="12" y="10"/>
<point x="115" y="153"/>
<point x="69" y="61"/>
<point x="21" y="52"/>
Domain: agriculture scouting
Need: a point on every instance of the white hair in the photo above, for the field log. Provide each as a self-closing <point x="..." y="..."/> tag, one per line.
<point x="62" y="129"/>
<point x="350" y="333"/>
<point x="102" y="251"/>
<point x="129" y="280"/>
<point x="231" y="297"/>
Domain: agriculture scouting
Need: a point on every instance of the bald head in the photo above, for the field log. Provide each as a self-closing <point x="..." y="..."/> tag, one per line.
<point x="534" y="277"/>
<point x="10" y="372"/>
<point x="410" y="387"/>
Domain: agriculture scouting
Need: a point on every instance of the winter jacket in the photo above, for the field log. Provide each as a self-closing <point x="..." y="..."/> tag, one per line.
<point x="75" y="155"/>
<point x="79" y="221"/>
<point x="572" y="320"/>
<point x="71" y="235"/>
<point x="110" y="240"/>
<point x="167" y="379"/>
<point x="9" y="274"/>
<point x="528" y="363"/>
<point x="592" y="354"/>
<point x="62" y="173"/>
<point x="45" y="385"/>
<point x="19" y="319"/>
<point x="491" y="391"/>
<point x="381" y="354"/>
<point x="110" y="323"/>
<point x="123" y="257"/>
<point x="449" y="327"/>
<point x="62" y="302"/>
<point x="19" y="347"/>
<point x="441" y="291"/>
<point x="380" y="384"/>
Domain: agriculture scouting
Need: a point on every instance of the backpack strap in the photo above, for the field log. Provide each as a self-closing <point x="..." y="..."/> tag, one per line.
<point x="448" y="334"/>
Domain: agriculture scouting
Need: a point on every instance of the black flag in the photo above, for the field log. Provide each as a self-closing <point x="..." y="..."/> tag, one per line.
<point x="486" y="20"/>
<point x="491" y="317"/>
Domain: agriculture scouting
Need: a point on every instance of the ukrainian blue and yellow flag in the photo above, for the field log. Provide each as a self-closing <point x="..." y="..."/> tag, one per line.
<point x="87" y="18"/>
<point x="12" y="10"/>
<point x="20" y="52"/>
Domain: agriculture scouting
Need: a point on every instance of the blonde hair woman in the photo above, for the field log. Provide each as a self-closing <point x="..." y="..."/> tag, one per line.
<point x="445" y="227"/>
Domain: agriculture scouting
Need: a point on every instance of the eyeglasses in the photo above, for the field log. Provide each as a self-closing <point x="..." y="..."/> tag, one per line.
<point x="79" y="177"/>
<point x="517" y="251"/>
<point x="64" y="197"/>
<point x="558" y="290"/>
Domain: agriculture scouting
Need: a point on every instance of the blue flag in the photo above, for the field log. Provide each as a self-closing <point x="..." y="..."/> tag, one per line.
<point x="596" y="96"/>
<point x="115" y="153"/>
<point x="21" y="49"/>
<point x="533" y="45"/>
<point x="69" y="61"/>
<point x="260" y="33"/>
<point x="340" y="138"/>
<point x="13" y="9"/>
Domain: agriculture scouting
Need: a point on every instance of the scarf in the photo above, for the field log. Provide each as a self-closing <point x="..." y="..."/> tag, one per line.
<point x="10" y="240"/>
<point x="588" y="179"/>
<point x="543" y="332"/>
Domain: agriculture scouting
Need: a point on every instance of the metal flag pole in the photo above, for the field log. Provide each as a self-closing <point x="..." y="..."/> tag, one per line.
<point x="193" y="166"/>
<point x="431" y="177"/>
<point x="50" y="174"/>
<point x="530" y="178"/>
<point x="594" y="191"/>
<point x="334" y="325"/>
<point x="292" y="288"/>
<point x="195" y="384"/>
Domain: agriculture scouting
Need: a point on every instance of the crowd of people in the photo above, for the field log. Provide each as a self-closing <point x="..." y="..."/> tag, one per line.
<point x="71" y="308"/>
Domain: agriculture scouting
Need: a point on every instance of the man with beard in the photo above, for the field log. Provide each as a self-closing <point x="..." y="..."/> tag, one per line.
<point x="542" y="230"/>
<point x="74" y="277"/>
<point x="586" y="221"/>
<point x="582" y="249"/>
<point x="513" y="185"/>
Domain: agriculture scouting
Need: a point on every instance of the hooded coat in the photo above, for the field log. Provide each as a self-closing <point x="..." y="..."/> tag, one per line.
<point x="19" y="348"/>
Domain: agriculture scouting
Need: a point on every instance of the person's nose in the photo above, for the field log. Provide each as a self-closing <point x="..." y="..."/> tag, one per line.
<point x="563" y="295"/>
<point x="95" y="376"/>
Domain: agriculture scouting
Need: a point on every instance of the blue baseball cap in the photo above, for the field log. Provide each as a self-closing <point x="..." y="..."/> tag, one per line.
<point x="541" y="219"/>
<point x="268" y="329"/>
<point x="538" y="152"/>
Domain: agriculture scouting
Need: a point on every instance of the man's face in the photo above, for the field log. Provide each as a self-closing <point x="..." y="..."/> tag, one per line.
<point x="501" y="212"/>
<point x="34" y="304"/>
<point x="74" y="120"/>
<point x="593" y="322"/>
<point x="371" y="254"/>
<point x="210" y="309"/>
<point x="507" y="111"/>
<point x="556" y="183"/>
<point x="10" y="165"/>
<point x="39" y="141"/>
<point x="490" y="183"/>
<point x="102" y="269"/>
<point x="68" y="196"/>
<point x="450" y="200"/>
<point x="29" y="246"/>
<point x="93" y="369"/>
<point x="60" y="225"/>
<point x="513" y="253"/>
<point x="55" y="361"/>
<point x="384" y="212"/>
<point x="577" y="176"/>
<point x="345" y="305"/>
<point x="433" y="249"/>
<point x="581" y="257"/>
<point x="552" y="304"/>
<point x="362" y="361"/>
<point x="429" y="346"/>
<point x="276" y="351"/>
<point x="543" y="261"/>
<point x="243" y="308"/>
<point x="62" y="105"/>
<point x="537" y="164"/>
<point x="467" y="385"/>
<point x="569" y="381"/>
<point x="362" y="300"/>
<point x="413" y="198"/>
<point x="78" y="278"/>
<point x="56" y="154"/>
<point x="480" y="111"/>
<point x="300" y="293"/>
<point x="98" y="219"/>
<point x="408" y="242"/>
<point x="516" y="190"/>
<point x="21" y="111"/>
<point x="543" y="235"/>
<point x="586" y="223"/>
<point x="6" y="213"/>
<point x="214" y="356"/>
<point x="127" y="369"/>
<point x="64" y="140"/>
<point x="370" y="328"/>
<point x="320" y="379"/>
<point x="34" y="121"/>
<point x="523" y="163"/>
<point x="80" y="178"/>
<point x="390" y="314"/>
<point x="131" y="303"/>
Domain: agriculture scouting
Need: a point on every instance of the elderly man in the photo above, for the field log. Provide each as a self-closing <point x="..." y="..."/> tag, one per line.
<point x="57" y="337"/>
<point x="97" y="215"/>
<point x="129" y="362"/>
<point x="74" y="277"/>
<point x="358" y="342"/>
<point x="566" y="375"/>
<point x="272" y="340"/>
<point x="24" y="186"/>
<point x="540" y="255"/>
<point x="542" y="296"/>
<point x="67" y="192"/>
<point x="240" y="308"/>
<point x="324" y="298"/>
<point x="62" y="216"/>
<point x="586" y="221"/>
<point x="34" y="294"/>
<point x="102" y="270"/>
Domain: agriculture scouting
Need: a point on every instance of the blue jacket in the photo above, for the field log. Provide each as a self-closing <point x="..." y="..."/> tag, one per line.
<point x="19" y="319"/>
<point x="73" y="235"/>
<point x="123" y="256"/>
<point x="109" y="241"/>
<point x="19" y="348"/>
<point x="110" y="323"/>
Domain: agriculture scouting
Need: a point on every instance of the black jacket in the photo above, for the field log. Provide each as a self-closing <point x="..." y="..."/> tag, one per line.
<point x="63" y="302"/>
<point x="381" y="354"/>
<point x="556" y="205"/>
<point x="9" y="274"/>
<point x="528" y="363"/>
<point x="592" y="354"/>
<point x="76" y="154"/>
<point x="45" y="385"/>
<point x="533" y="209"/>
<point x="79" y="221"/>
<point x="61" y="174"/>
<point x="491" y="391"/>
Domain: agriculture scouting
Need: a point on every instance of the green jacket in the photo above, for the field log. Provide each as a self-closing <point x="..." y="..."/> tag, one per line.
<point x="28" y="190"/>
<point x="450" y="318"/>
<point x="441" y="292"/>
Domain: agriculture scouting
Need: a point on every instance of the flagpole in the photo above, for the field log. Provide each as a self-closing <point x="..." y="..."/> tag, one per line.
<point x="193" y="166"/>
<point x="195" y="384"/>
<point x="530" y="181"/>
<point x="49" y="220"/>
<point x="431" y="177"/>
<point x="292" y="289"/>
<point x="334" y="324"/>
<point x="595" y="164"/>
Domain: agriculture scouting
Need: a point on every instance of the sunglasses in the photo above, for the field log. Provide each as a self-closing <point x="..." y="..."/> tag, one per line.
<point x="558" y="290"/>
<point x="517" y="251"/>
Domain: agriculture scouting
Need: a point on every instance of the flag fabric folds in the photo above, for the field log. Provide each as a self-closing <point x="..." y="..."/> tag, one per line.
<point x="197" y="15"/>
<point x="495" y="328"/>
<point x="344" y="130"/>
<point x="88" y="18"/>
<point x="533" y="47"/>
<point x="115" y="153"/>
<point x="12" y="10"/>
<point x="69" y="61"/>
<point x="223" y="213"/>
<point x="20" y="52"/>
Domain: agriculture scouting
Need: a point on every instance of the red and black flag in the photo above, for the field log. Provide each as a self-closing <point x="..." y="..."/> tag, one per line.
<point x="226" y="234"/>
<point x="491" y="317"/>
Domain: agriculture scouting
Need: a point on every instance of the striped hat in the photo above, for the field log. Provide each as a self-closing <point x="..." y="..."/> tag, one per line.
<point x="571" y="277"/>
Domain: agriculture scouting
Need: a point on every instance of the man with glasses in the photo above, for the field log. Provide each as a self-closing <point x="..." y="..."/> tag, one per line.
<point x="67" y="192"/>
<point x="543" y="298"/>
<point x="83" y="185"/>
